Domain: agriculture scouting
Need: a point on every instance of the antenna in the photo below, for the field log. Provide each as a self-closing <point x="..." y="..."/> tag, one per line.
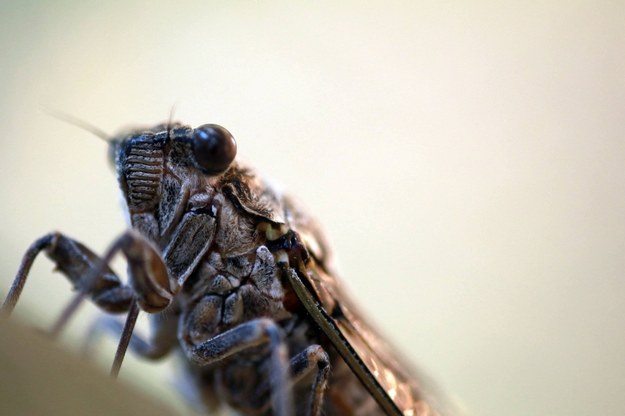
<point x="170" y="120"/>
<point x="74" y="121"/>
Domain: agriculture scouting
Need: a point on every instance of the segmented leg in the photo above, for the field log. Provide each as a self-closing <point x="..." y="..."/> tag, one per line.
<point x="91" y="275"/>
<point x="75" y="261"/>
<point x="313" y="360"/>
<point x="161" y="341"/>
<point x="150" y="285"/>
<point x="248" y="335"/>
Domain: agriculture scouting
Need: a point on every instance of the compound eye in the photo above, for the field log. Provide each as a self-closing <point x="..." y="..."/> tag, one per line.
<point x="214" y="148"/>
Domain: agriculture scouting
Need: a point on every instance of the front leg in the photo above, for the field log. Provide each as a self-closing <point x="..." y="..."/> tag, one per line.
<point x="248" y="335"/>
<point x="75" y="261"/>
<point x="150" y="288"/>
<point x="91" y="275"/>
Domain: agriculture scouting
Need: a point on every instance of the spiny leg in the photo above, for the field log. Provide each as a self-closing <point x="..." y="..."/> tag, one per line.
<point x="248" y="335"/>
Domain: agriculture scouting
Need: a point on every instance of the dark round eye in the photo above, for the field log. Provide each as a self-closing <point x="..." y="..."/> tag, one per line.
<point x="214" y="148"/>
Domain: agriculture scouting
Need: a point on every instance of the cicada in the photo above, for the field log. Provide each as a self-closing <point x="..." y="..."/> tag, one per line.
<point x="238" y="279"/>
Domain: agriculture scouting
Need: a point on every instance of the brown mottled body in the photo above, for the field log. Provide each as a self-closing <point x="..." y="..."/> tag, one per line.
<point x="239" y="279"/>
<point x="226" y="291"/>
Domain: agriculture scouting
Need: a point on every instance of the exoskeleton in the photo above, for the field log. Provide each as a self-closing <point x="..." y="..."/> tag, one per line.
<point x="236" y="277"/>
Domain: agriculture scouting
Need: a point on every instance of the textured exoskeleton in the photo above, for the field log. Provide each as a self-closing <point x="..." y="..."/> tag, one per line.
<point x="239" y="279"/>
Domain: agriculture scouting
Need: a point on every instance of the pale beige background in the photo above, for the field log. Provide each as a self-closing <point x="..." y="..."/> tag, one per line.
<point x="466" y="158"/>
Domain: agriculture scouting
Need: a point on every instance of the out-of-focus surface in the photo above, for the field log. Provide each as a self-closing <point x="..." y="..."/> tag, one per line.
<point x="465" y="159"/>
<point x="39" y="378"/>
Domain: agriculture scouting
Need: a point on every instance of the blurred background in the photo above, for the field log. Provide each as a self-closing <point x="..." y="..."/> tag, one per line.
<point x="465" y="158"/>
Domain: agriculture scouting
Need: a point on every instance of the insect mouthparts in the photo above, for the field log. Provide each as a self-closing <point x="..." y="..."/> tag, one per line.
<point x="237" y="277"/>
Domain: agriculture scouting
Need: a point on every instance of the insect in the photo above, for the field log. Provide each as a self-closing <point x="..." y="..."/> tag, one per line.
<point x="238" y="278"/>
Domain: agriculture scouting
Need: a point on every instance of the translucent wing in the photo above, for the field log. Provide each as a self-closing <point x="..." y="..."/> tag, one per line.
<point x="397" y="389"/>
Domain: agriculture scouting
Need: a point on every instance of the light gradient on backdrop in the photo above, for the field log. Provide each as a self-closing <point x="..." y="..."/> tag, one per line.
<point x="466" y="161"/>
